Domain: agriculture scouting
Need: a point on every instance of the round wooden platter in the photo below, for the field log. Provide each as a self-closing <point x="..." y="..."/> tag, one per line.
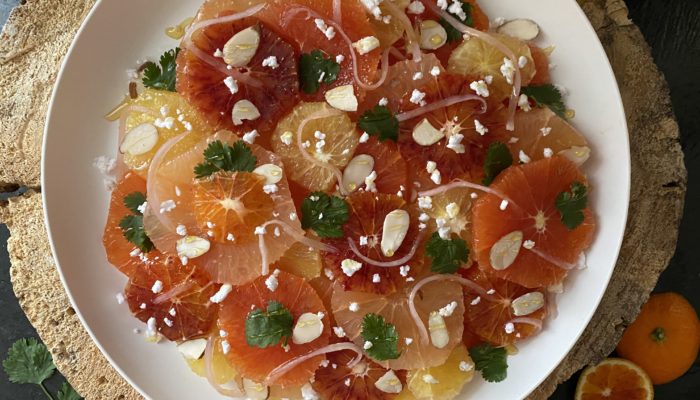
<point x="33" y="44"/>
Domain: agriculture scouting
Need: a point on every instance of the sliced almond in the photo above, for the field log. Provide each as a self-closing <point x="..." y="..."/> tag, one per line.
<point x="432" y="35"/>
<point x="505" y="250"/>
<point x="521" y="28"/>
<point x="242" y="46"/>
<point x="389" y="383"/>
<point x="192" y="246"/>
<point x="527" y="304"/>
<point x="255" y="390"/>
<point x="192" y="349"/>
<point x="356" y="171"/>
<point x="394" y="231"/>
<point x="244" y="110"/>
<point x="425" y="133"/>
<point x="308" y="328"/>
<point x="272" y="173"/>
<point x="439" y="336"/>
<point x="139" y="140"/>
<point x="343" y="98"/>
<point x="577" y="154"/>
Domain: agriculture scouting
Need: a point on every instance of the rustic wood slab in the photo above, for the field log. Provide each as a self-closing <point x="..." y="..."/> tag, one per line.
<point x="33" y="44"/>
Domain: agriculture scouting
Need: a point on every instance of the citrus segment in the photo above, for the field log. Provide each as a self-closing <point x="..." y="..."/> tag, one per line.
<point x="390" y="167"/>
<point x="615" y="379"/>
<point x="222" y="370"/>
<point x="301" y="260"/>
<point x="541" y="60"/>
<point x="449" y="377"/>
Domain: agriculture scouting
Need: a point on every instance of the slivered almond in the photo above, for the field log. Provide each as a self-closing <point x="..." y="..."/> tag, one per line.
<point x="307" y="329"/>
<point x="255" y="390"/>
<point x="192" y="246"/>
<point x="244" y="110"/>
<point x="139" y="140"/>
<point x="425" y="133"/>
<point x="389" y="383"/>
<point x="527" y="304"/>
<point x="577" y="154"/>
<point x="521" y="28"/>
<point x="356" y="171"/>
<point x="272" y="173"/>
<point x="505" y="250"/>
<point x="242" y="46"/>
<point x="439" y="336"/>
<point x="432" y="35"/>
<point x="343" y="98"/>
<point x="192" y="349"/>
<point x="394" y="231"/>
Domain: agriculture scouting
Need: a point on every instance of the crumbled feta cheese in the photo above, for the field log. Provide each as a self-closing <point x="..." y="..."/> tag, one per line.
<point x="476" y="300"/>
<point x="423" y="217"/>
<point x="480" y="88"/>
<point x="231" y="84"/>
<point x="454" y="143"/>
<point x="529" y="244"/>
<point x="151" y="328"/>
<point x="354" y="307"/>
<point x="270" y="62"/>
<point x="271" y="282"/>
<point x="480" y="128"/>
<point x="339" y="58"/>
<point x="225" y="346"/>
<point x="167" y="123"/>
<point x="168" y="322"/>
<point x="456" y="9"/>
<point x="442" y="4"/>
<point x="408" y="341"/>
<point x="383" y="101"/>
<point x="259" y="230"/>
<point x="546" y="130"/>
<point x="221" y="295"/>
<point x="452" y="210"/>
<point x="465" y="366"/>
<point x="509" y="328"/>
<point x="415" y="7"/>
<point x="249" y="137"/>
<point x="218" y="53"/>
<point x="329" y="31"/>
<point x="292" y="216"/>
<point x="429" y="379"/>
<point x="523" y="157"/>
<point x="157" y="287"/>
<point x="430" y="166"/>
<point x="364" y="137"/>
<point x="425" y="202"/>
<point x="277" y="232"/>
<point x="508" y="70"/>
<point x="120" y="298"/>
<point x="308" y="392"/>
<point x="436" y="177"/>
<point x="418" y="75"/>
<point x="448" y="310"/>
<point x="270" y="188"/>
<point x="230" y="237"/>
<point x="369" y="182"/>
<point x="547" y="152"/>
<point x="349" y="266"/>
<point x="368" y="345"/>
<point x="376" y="278"/>
<point x="363" y="240"/>
<point x="504" y="205"/>
<point x="524" y="103"/>
<point x="403" y="270"/>
<point x="172" y="312"/>
<point x="167" y="206"/>
<point x="417" y="96"/>
<point x="491" y="291"/>
<point x="339" y="331"/>
<point x="286" y="138"/>
<point x="435" y="71"/>
<point x="522" y="61"/>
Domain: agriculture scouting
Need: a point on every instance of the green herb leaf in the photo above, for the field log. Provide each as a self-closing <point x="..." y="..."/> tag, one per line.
<point x="453" y="34"/>
<point x="383" y="337"/>
<point x="68" y="393"/>
<point x="220" y="156"/>
<point x="571" y="205"/>
<point x="498" y="158"/>
<point x="133" y="201"/>
<point x="133" y="231"/>
<point x="491" y="361"/>
<point x="162" y="77"/>
<point x="28" y="361"/>
<point x="380" y="122"/>
<point x="266" y="328"/>
<point x="547" y="95"/>
<point x="446" y="254"/>
<point x="314" y="69"/>
<point x="324" y="214"/>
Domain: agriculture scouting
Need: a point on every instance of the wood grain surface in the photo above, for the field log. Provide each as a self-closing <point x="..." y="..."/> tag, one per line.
<point x="36" y="38"/>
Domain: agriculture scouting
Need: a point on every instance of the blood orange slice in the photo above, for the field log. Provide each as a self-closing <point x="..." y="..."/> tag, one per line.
<point x="256" y="363"/>
<point x="532" y="190"/>
<point x="391" y="169"/>
<point x="349" y="309"/>
<point x="336" y="380"/>
<point x="176" y="296"/>
<point x="494" y="319"/>
<point x="117" y="247"/>
<point x="361" y="242"/>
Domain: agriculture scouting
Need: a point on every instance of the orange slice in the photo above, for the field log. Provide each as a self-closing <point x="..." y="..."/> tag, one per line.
<point x="614" y="379"/>
<point x="391" y="169"/>
<point x="451" y="377"/>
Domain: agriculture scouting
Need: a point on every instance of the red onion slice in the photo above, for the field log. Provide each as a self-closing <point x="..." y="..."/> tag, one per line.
<point x="450" y="101"/>
<point x="536" y="323"/>
<point x="458" y="183"/>
<point x="173" y="292"/>
<point x="290" y="364"/>
<point x="387" y="264"/>
<point x="337" y="12"/>
<point x="553" y="260"/>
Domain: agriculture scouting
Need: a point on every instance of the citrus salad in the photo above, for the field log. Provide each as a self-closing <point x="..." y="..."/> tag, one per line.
<point x="357" y="199"/>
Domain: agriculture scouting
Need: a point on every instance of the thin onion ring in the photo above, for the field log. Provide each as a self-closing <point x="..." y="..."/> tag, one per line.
<point x="387" y="264"/>
<point x="450" y="101"/>
<point x="290" y="364"/>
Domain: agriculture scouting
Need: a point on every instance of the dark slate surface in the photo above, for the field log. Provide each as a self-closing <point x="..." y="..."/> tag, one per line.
<point x="672" y="28"/>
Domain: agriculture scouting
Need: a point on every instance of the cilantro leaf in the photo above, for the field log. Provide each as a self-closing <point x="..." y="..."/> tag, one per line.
<point x="571" y="205"/>
<point x="132" y="228"/>
<point x="220" y="156"/>
<point x="28" y="361"/>
<point x="491" y="361"/>
<point x="162" y="77"/>
<point x="446" y="254"/>
<point x="380" y="122"/>
<point x="383" y="337"/>
<point x="266" y="328"/>
<point x="453" y="34"/>
<point x="547" y="95"/>
<point x="324" y="214"/>
<point x="314" y="69"/>
<point x="68" y="393"/>
<point x="133" y="201"/>
<point x="498" y="158"/>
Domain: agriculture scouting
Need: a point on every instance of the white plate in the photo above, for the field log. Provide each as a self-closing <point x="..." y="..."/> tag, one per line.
<point x="93" y="80"/>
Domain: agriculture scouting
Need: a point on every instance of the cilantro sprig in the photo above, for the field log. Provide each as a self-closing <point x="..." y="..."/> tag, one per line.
<point x="383" y="337"/>
<point x="265" y="328"/>
<point x="571" y="205"/>
<point x="219" y="156"/>
<point x="324" y="214"/>
<point x="498" y="158"/>
<point x="29" y="361"/>
<point x="162" y="76"/>
<point x="490" y="361"/>
<point x="447" y="254"/>
<point x="132" y="225"/>
<point x="314" y="69"/>
<point x="547" y="95"/>
<point x="453" y="34"/>
<point x="380" y="122"/>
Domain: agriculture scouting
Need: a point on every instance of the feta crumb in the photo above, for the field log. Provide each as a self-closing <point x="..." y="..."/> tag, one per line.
<point x="339" y="58"/>
<point x="509" y="328"/>
<point x="364" y="137"/>
<point x="457" y="10"/>
<point x="230" y="237"/>
<point x="435" y="71"/>
<point x="425" y="202"/>
<point x="270" y="188"/>
<point x="383" y="101"/>
<point x="168" y="322"/>
<point x="271" y="62"/>
<point x="225" y="346"/>
<point x="151" y="328"/>
<point x="524" y="103"/>
<point x="120" y="298"/>
<point x="480" y="128"/>
<point x="259" y="230"/>
<point x="339" y="331"/>
<point x="403" y="270"/>
<point x="167" y="206"/>
<point x="436" y="177"/>
<point x="476" y="300"/>
<point x="271" y="282"/>
<point x="328" y="31"/>
<point x="465" y="366"/>
<point x="249" y="137"/>
<point x="292" y="216"/>
<point x="423" y="217"/>
<point x="172" y="312"/>
<point x="523" y="157"/>
<point x="349" y="266"/>
<point x="218" y="53"/>
<point x="452" y="209"/>
<point x="416" y="7"/>
<point x="417" y="96"/>
<point x="376" y="278"/>
<point x="363" y="240"/>
<point x="529" y="244"/>
<point x="448" y="310"/>
<point x="157" y="287"/>
<point x="354" y="307"/>
<point x="368" y="345"/>
<point x="454" y="143"/>
<point x="442" y="4"/>
<point x="480" y="88"/>
<point x="167" y="123"/>
<point x="142" y="207"/>
<point x="277" y="232"/>
<point x="221" y="295"/>
<point x="430" y="166"/>
<point x="546" y="130"/>
<point x="369" y="182"/>
<point x="508" y="70"/>
<point x="522" y="61"/>
<point x="308" y="392"/>
<point x="142" y="306"/>
<point x="473" y="195"/>
<point x="429" y="379"/>
<point x="547" y="152"/>
<point x="222" y="333"/>
<point x="231" y="84"/>
<point x="408" y="341"/>
<point x="418" y="75"/>
<point x="286" y="138"/>
<point x="490" y="291"/>
<point x="504" y="205"/>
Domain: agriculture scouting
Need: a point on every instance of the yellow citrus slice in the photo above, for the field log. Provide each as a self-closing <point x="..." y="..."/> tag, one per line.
<point x="614" y="379"/>
<point x="223" y="371"/>
<point x="301" y="260"/>
<point x="391" y="30"/>
<point x="445" y="381"/>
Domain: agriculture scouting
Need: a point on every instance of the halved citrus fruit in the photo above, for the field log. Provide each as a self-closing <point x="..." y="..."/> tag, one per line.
<point x="335" y="380"/>
<point x="312" y="165"/>
<point x="614" y="379"/>
<point x="391" y="169"/>
<point x="176" y="295"/>
<point x="256" y="363"/>
<point x="415" y="353"/>
<point x="445" y="381"/>
<point x="526" y="207"/>
<point x="363" y="234"/>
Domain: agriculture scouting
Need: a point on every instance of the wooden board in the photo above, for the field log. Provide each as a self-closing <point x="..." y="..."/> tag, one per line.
<point x="32" y="46"/>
